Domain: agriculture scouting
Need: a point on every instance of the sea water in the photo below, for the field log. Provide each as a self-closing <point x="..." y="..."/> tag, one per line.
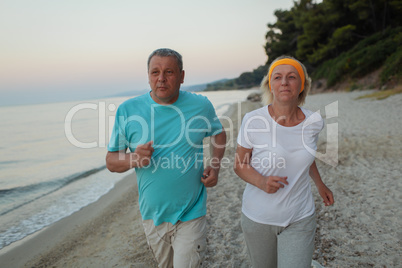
<point x="52" y="160"/>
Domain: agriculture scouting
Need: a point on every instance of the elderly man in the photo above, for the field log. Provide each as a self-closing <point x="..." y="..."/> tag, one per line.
<point x="164" y="131"/>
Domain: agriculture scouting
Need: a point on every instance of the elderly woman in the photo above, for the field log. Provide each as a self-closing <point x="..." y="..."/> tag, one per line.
<point x="274" y="156"/>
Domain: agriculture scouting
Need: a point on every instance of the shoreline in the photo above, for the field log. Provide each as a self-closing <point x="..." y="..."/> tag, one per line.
<point x="52" y="239"/>
<point x="361" y="229"/>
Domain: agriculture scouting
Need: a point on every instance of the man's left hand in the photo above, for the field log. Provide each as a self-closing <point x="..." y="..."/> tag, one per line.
<point x="210" y="177"/>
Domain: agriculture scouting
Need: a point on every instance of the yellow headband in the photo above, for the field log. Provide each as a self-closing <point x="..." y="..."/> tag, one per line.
<point x="287" y="61"/>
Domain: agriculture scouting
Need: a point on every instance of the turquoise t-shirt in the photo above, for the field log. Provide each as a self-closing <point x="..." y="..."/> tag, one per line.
<point x="170" y="188"/>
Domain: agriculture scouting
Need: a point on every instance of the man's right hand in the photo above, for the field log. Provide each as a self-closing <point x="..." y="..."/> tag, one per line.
<point x="141" y="157"/>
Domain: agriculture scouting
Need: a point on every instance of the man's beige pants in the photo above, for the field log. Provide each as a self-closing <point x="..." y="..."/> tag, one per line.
<point x="181" y="245"/>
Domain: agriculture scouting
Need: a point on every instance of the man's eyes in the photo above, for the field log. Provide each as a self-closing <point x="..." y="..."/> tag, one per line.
<point x="157" y="72"/>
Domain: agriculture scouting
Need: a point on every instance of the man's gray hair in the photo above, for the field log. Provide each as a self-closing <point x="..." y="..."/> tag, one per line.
<point x="167" y="52"/>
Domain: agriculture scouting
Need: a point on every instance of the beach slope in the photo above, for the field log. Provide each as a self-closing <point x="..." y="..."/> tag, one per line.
<point x="362" y="229"/>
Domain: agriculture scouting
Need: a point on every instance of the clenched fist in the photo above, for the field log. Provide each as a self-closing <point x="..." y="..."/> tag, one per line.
<point x="142" y="155"/>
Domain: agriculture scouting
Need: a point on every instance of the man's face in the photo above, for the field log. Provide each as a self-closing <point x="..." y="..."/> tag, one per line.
<point x="164" y="77"/>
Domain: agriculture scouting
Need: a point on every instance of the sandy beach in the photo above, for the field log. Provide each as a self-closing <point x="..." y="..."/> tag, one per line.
<point x="362" y="229"/>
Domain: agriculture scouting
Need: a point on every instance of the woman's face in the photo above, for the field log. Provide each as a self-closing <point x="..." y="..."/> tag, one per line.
<point x="285" y="83"/>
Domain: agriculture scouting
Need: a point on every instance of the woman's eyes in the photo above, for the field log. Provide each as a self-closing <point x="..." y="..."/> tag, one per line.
<point x="290" y="76"/>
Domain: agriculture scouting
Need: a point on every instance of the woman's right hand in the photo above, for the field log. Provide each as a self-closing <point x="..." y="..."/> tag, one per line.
<point x="271" y="184"/>
<point x="242" y="167"/>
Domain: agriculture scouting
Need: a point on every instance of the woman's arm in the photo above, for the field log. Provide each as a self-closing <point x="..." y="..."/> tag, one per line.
<point x="242" y="167"/>
<point x="323" y="190"/>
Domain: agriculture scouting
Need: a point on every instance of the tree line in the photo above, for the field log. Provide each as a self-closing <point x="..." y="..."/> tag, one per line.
<point x="334" y="39"/>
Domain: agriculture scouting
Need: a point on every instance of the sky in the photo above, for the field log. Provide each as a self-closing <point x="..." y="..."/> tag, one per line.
<point x="55" y="50"/>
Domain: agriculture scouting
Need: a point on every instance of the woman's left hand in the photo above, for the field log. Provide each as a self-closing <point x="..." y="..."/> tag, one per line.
<point x="326" y="194"/>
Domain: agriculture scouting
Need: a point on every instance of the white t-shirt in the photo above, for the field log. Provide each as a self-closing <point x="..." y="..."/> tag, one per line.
<point x="280" y="151"/>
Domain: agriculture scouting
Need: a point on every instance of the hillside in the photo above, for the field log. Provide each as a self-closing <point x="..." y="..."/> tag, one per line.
<point x="343" y="44"/>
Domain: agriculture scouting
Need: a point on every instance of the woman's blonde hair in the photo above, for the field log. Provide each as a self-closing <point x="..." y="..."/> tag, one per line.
<point x="267" y="96"/>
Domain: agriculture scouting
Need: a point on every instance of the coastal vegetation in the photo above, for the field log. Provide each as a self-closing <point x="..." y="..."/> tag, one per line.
<point x="383" y="94"/>
<point x="337" y="40"/>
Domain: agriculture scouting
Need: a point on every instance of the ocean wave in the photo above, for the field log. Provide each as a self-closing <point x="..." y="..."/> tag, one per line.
<point x="32" y="192"/>
<point x="8" y="162"/>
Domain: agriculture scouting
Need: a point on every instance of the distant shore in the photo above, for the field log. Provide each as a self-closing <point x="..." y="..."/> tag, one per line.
<point x="360" y="230"/>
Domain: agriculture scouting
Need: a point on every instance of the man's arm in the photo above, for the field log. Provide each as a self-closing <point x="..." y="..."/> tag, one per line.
<point x="218" y="149"/>
<point x="121" y="161"/>
<point x="211" y="173"/>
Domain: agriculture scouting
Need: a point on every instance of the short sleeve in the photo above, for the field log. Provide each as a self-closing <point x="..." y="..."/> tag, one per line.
<point x="216" y="126"/>
<point x="118" y="139"/>
<point x="314" y="122"/>
<point x="242" y="138"/>
<point x="312" y="127"/>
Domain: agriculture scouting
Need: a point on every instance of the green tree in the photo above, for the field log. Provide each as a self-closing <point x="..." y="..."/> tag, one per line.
<point x="282" y="36"/>
<point x="315" y="33"/>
